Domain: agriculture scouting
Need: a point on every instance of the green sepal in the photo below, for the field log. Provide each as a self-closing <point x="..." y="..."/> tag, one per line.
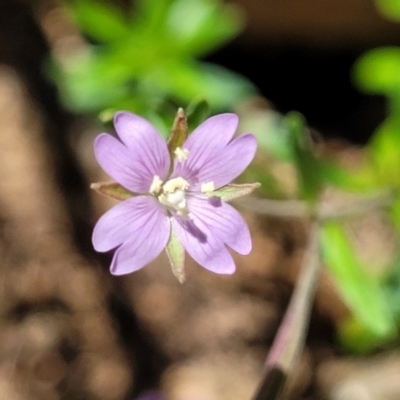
<point x="178" y="135"/>
<point x="112" y="189"/>
<point x="234" y="191"/>
<point x="176" y="256"/>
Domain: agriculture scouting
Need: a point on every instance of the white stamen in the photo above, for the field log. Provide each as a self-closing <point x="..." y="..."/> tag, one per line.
<point x="183" y="213"/>
<point x="155" y="186"/>
<point x="207" y="187"/>
<point x="181" y="154"/>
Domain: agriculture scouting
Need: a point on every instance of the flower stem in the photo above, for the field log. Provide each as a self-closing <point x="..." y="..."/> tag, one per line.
<point x="289" y="340"/>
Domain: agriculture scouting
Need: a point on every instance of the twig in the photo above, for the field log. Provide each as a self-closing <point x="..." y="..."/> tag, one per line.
<point x="274" y="208"/>
<point x="357" y="206"/>
<point x="300" y="209"/>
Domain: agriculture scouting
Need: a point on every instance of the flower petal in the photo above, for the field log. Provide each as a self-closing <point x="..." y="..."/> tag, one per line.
<point x="225" y="165"/>
<point x="217" y="130"/>
<point x="223" y="221"/>
<point x="212" y="135"/>
<point x="210" y="253"/>
<point x="119" y="162"/>
<point x="140" y="226"/>
<point x="212" y="223"/>
<point x="145" y="143"/>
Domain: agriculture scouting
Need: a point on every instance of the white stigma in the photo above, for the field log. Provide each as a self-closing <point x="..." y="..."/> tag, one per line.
<point x="174" y="195"/>
<point x="155" y="186"/>
<point x="181" y="154"/>
<point x="174" y="184"/>
<point x="207" y="188"/>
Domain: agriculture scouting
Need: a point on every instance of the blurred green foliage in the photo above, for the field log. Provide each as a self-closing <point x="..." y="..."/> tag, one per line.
<point x="377" y="72"/>
<point x="389" y="8"/>
<point x="288" y="139"/>
<point x="373" y="298"/>
<point x="374" y="322"/>
<point x="146" y="59"/>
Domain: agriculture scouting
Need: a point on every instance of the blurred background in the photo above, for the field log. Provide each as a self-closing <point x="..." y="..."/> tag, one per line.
<point x="68" y="329"/>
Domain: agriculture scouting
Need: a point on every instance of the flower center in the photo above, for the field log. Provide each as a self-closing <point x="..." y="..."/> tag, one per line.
<point x="173" y="195"/>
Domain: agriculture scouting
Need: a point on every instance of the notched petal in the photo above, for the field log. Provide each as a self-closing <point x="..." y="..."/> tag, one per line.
<point x="120" y="163"/>
<point x="144" y="142"/>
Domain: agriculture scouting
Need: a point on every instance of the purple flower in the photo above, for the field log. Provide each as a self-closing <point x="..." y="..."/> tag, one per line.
<point x="179" y="201"/>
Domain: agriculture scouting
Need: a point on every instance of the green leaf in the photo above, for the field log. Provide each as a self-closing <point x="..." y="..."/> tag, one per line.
<point x="384" y="147"/>
<point x="395" y="216"/>
<point x="234" y="191"/>
<point x="310" y="182"/>
<point x="391" y="286"/>
<point x="356" y="337"/>
<point x="189" y="79"/>
<point x="90" y="82"/>
<point x="360" y="290"/>
<point x="112" y="189"/>
<point x="389" y="8"/>
<point x="150" y="15"/>
<point x="377" y="71"/>
<point x="100" y="21"/>
<point x="176" y="256"/>
<point x="197" y="111"/>
<point x="143" y="61"/>
<point x="200" y="26"/>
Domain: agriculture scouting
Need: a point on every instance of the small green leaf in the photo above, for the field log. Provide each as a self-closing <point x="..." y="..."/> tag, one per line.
<point x="234" y="191"/>
<point x="176" y="256"/>
<point x="99" y="20"/>
<point x="112" y="189"/>
<point x="360" y="290"/>
<point x="197" y="111"/>
<point x="200" y="26"/>
<point x="310" y="182"/>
